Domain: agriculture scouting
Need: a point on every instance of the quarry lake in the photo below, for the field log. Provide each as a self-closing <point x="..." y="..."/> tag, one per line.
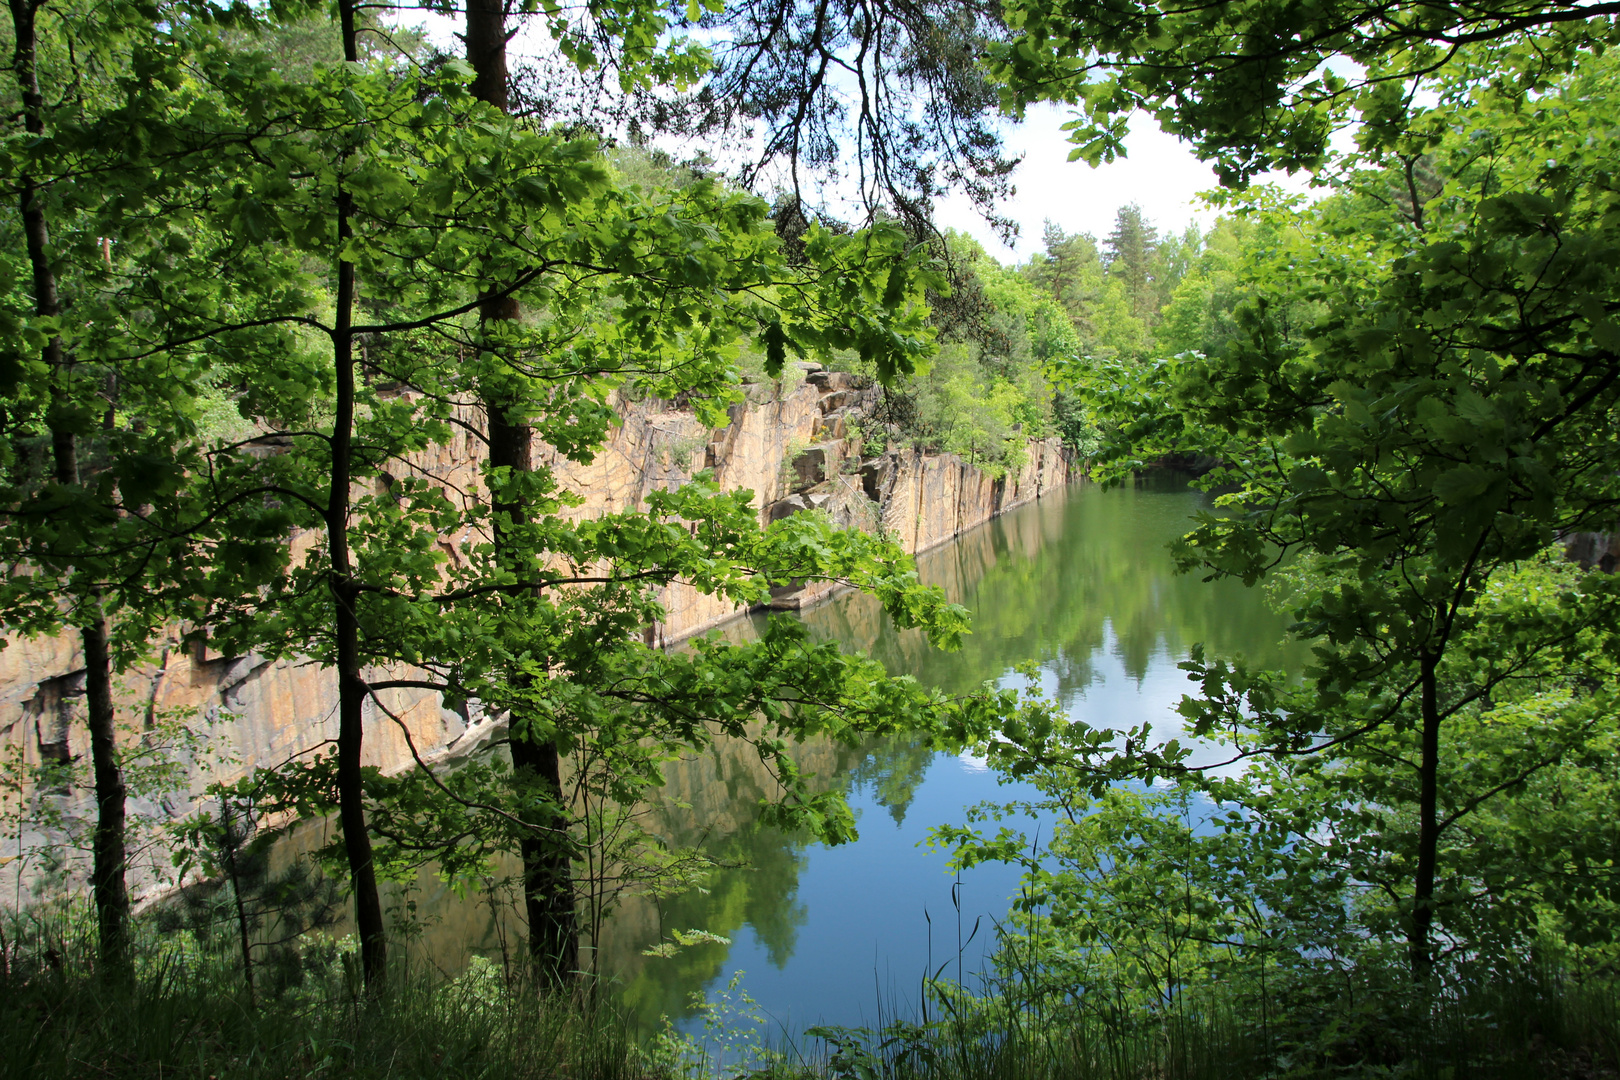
<point x="1081" y="583"/>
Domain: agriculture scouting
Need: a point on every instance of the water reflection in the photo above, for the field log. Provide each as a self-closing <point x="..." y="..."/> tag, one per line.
<point x="1081" y="583"/>
<point x="1080" y="576"/>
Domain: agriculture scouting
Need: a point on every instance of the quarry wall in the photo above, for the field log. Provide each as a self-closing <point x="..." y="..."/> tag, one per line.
<point x="795" y="443"/>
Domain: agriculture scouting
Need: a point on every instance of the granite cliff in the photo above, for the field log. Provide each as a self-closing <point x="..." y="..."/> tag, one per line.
<point x="795" y="443"/>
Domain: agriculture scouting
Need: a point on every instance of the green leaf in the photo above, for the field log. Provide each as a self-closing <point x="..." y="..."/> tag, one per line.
<point x="1457" y="486"/>
<point x="775" y="342"/>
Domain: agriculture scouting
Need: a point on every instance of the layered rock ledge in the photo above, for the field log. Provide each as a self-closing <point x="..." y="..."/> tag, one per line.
<point x="795" y="443"/>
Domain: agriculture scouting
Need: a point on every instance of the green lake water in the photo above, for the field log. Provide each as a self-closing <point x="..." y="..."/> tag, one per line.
<point x="1082" y="584"/>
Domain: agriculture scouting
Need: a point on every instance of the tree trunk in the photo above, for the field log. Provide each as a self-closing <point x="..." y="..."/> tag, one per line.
<point x="346" y="628"/>
<point x="548" y="880"/>
<point x="346" y="624"/>
<point x="548" y="886"/>
<point x="229" y="843"/>
<point x="486" y="51"/>
<point x="108" y="854"/>
<point x="109" y="858"/>
<point x="1420" y="945"/>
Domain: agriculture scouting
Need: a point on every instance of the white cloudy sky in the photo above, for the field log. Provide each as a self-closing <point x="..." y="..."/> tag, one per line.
<point x="1158" y="173"/>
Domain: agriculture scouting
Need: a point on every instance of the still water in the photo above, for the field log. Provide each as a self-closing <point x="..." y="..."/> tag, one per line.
<point x="1082" y="584"/>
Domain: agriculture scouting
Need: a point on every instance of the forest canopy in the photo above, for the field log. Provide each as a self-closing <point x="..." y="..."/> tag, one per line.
<point x="264" y="267"/>
<point x="1404" y="389"/>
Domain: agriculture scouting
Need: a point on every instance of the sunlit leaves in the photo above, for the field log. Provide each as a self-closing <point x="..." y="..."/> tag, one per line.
<point x="1416" y="405"/>
<point x="1262" y="84"/>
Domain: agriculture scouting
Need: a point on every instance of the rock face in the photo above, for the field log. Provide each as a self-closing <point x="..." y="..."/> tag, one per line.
<point x="1593" y="549"/>
<point x="794" y="443"/>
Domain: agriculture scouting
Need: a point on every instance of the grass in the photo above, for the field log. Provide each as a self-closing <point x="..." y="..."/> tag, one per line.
<point x="185" y="1014"/>
<point x="1527" y="1029"/>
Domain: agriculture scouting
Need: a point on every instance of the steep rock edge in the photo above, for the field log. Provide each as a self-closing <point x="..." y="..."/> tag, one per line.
<point x="795" y="444"/>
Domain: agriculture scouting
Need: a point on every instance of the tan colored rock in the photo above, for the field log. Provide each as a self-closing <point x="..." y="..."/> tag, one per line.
<point x="275" y="710"/>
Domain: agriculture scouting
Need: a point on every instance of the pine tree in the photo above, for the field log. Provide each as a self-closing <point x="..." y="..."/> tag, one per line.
<point x="1129" y="256"/>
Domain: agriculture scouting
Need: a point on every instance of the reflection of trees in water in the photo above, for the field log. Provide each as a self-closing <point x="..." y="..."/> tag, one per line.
<point x="757" y="889"/>
<point x="1085" y="570"/>
<point x="1103" y="580"/>
<point x="892" y="770"/>
<point x="758" y="883"/>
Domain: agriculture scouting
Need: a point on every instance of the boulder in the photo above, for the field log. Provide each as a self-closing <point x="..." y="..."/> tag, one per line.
<point x="782" y="508"/>
<point x="840" y="399"/>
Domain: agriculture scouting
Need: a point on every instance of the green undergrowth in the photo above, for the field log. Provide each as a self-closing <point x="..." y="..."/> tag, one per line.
<point x="184" y="1012"/>
<point x="1532" y="1028"/>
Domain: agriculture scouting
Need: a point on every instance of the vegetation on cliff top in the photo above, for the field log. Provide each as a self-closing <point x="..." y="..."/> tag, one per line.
<point x="1407" y="387"/>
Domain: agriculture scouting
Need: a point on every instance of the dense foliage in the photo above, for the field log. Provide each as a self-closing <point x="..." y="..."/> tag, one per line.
<point x="244" y="299"/>
<point x="248" y="297"/>
<point x="1008" y="334"/>
<point x="1407" y="389"/>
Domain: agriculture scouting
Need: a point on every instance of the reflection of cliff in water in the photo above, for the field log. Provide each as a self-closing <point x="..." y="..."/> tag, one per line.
<point x="1068" y="582"/>
<point x="1084" y="574"/>
<point x="1086" y="570"/>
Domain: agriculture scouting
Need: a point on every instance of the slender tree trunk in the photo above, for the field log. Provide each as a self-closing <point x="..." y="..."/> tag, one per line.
<point x="346" y="624"/>
<point x="548" y="886"/>
<point x="346" y="628"/>
<point x="108" y="854"/>
<point x="230" y="843"/>
<point x="1421" y="947"/>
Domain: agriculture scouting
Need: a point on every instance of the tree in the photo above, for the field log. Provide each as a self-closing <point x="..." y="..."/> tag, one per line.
<point x="509" y="391"/>
<point x="1263" y="84"/>
<point x="1279" y="895"/>
<point x="133" y="530"/>
<point x="1070" y="270"/>
<point x="984" y="394"/>
<point x="1416" y="405"/>
<point x="1173" y="260"/>
<point x="111" y="895"/>
<point x="242" y="890"/>
<point x="421" y="219"/>
<point x="1198" y="312"/>
<point x="890" y="95"/>
<point x="94" y="527"/>
<point x="1421" y="412"/>
<point x="547" y="888"/>
<point x="333" y="246"/>
<point x="1130" y="255"/>
<point x="764" y="71"/>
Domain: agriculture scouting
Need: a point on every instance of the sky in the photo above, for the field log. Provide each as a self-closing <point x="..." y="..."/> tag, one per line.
<point x="1158" y="173"/>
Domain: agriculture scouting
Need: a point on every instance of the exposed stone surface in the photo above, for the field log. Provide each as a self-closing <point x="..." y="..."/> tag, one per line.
<point x="788" y="443"/>
<point x="929" y="498"/>
<point x="1593" y="549"/>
